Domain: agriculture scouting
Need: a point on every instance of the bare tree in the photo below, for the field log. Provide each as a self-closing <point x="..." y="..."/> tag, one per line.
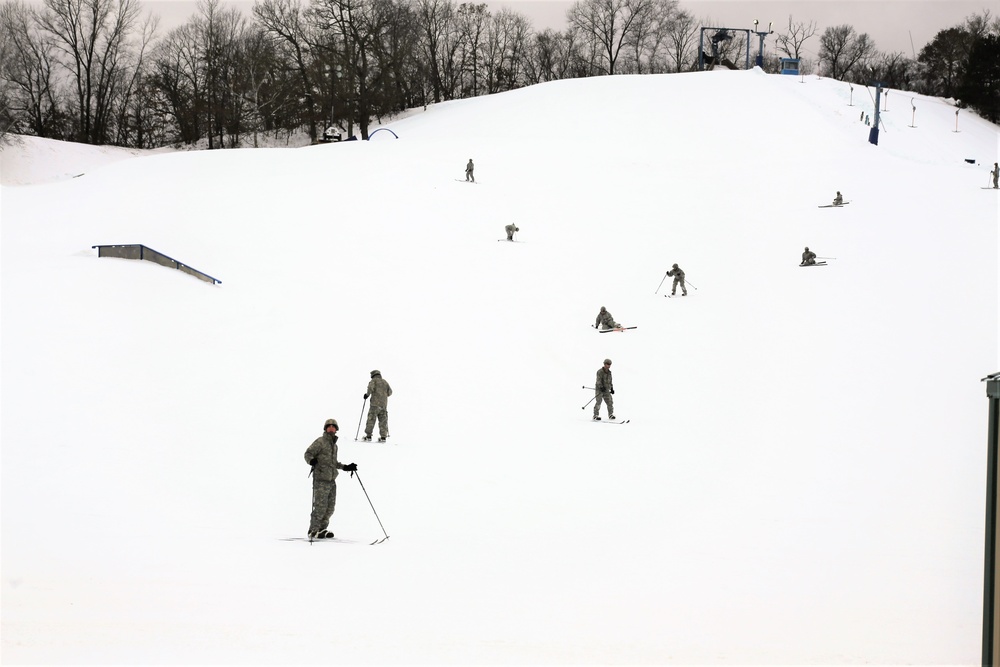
<point x="842" y="48"/>
<point x="370" y="44"/>
<point x="894" y="70"/>
<point x="131" y="123"/>
<point x="611" y="24"/>
<point x="790" y="43"/>
<point x="27" y="79"/>
<point x="93" y="38"/>
<point x="286" y="22"/>
<point x="438" y="43"/>
<point x="179" y="79"/>
<point x="503" y="50"/>
<point x="680" y="43"/>
<point x="649" y="42"/>
<point x="472" y="21"/>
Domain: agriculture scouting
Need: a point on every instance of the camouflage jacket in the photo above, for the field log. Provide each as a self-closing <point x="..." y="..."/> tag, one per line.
<point x="676" y="273"/>
<point x="604" y="318"/>
<point x="322" y="456"/>
<point x="603" y="383"/>
<point x="379" y="391"/>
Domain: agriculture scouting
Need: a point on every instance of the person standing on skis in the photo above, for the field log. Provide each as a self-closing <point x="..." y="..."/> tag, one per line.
<point x="604" y="388"/>
<point x="379" y="391"/>
<point x="322" y="456"/>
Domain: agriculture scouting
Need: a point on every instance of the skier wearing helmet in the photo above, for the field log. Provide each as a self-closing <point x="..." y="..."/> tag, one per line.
<point x="678" y="275"/>
<point x="605" y="320"/>
<point x="604" y="388"/>
<point x="322" y="456"/>
<point x="379" y="391"/>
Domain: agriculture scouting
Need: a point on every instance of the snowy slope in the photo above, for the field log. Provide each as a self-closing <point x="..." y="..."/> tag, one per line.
<point x="801" y="480"/>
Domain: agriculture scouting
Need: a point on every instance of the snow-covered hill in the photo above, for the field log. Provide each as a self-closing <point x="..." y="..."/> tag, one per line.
<point x="801" y="481"/>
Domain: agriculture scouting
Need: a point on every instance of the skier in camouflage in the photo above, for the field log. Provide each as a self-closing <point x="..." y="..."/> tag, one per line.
<point x="322" y="456"/>
<point x="678" y="275"/>
<point x="808" y="257"/>
<point x="604" y="388"/>
<point x="605" y="320"/>
<point x="379" y="391"/>
<point x="510" y="229"/>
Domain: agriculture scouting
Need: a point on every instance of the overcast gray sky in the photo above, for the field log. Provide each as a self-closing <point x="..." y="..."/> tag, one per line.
<point x="891" y="23"/>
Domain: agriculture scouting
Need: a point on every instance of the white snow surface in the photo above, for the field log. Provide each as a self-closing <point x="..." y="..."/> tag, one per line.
<point x="802" y="480"/>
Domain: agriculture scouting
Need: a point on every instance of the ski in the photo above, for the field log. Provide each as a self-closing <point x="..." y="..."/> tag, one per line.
<point x="607" y="421"/>
<point x="462" y="180"/>
<point x="835" y="205"/>
<point x="616" y="329"/>
<point x="510" y="240"/>
<point x="816" y="264"/>
<point x="320" y="540"/>
<point x="675" y="296"/>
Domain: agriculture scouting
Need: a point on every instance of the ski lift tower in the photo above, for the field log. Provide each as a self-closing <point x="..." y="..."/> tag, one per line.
<point x="761" y="34"/>
<point x="720" y="35"/>
<point x="873" y="133"/>
<point x="991" y="635"/>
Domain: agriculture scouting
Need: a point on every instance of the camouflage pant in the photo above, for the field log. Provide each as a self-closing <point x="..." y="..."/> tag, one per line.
<point x="383" y="421"/>
<point x="606" y="397"/>
<point x="679" y="281"/>
<point x="324" y="500"/>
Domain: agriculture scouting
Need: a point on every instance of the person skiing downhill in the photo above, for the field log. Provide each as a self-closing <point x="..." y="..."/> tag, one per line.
<point x="678" y="275"/>
<point x="605" y="320"/>
<point x="808" y="257"/>
<point x="322" y="457"/>
<point x="380" y="391"/>
<point x="604" y="388"/>
<point x="469" y="168"/>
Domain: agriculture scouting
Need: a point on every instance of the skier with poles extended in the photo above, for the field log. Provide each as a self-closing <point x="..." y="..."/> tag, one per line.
<point x="379" y="391"/>
<point x="322" y="457"/>
<point x="678" y="275"/>
<point x="604" y="388"/>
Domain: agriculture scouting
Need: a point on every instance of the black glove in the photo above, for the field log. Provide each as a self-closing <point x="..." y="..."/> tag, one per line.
<point x="366" y="397"/>
<point x="312" y="462"/>
<point x="612" y="391"/>
<point x="351" y="467"/>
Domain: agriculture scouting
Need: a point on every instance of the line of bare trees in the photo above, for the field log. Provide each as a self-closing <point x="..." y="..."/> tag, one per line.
<point x="96" y="71"/>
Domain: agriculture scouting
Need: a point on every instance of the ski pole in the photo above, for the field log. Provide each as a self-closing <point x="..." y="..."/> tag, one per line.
<point x="688" y="283"/>
<point x="353" y="473"/>
<point x="661" y="284"/>
<point x="358" y="432"/>
<point x="826" y="258"/>
<point x="584" y="406"/>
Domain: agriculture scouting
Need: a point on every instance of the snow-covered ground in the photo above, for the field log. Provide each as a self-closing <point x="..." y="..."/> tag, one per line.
<point x="801" y="482"/>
